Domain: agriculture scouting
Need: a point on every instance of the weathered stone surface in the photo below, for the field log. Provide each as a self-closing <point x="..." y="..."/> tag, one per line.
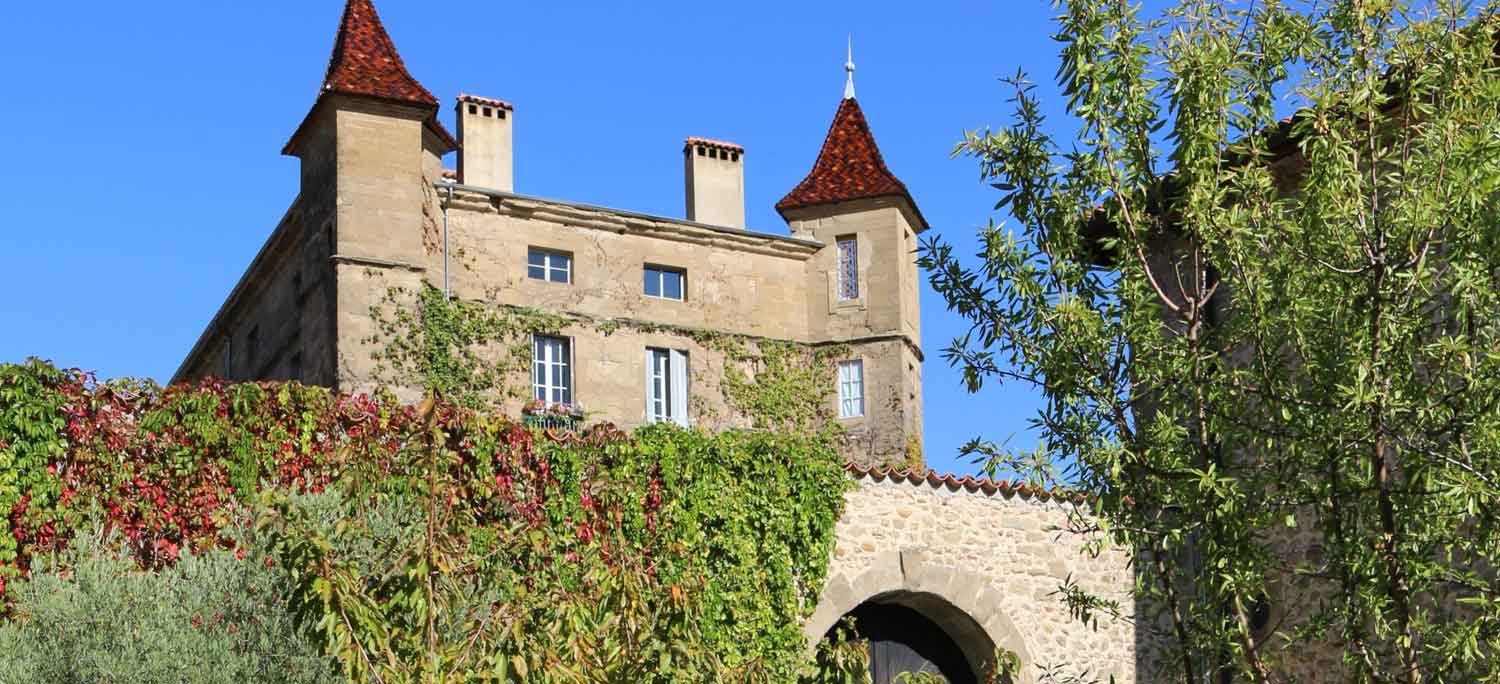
<point x="973" y="552"/>
<point x="369" y="218"/>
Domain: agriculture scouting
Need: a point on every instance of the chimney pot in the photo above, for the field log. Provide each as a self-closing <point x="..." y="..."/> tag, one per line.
<point x="715" y="173"/>
<point x="485" y="150"/>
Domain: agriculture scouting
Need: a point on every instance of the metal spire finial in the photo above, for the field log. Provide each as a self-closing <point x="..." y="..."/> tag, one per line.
<point x="849" y="67"/>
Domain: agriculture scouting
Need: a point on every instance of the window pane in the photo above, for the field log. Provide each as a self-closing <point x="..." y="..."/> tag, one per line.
<point x="851" y="389"/>
<point x="536" y="257"/>
<point x="656" y="391"/>
<point x="536" y="272"/>
<point x="653" y="282"/>
<point x="552" y="377"/>
<point x="848" y="268"/>
<point x="671" y="285"/>
<point x="560" y="275"/>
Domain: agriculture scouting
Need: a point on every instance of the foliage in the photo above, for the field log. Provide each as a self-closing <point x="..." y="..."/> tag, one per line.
<point x="479" y="354"/>
<point x="1276" y="366"/>
<point x="467" y="351"/>
<point x="32" y="440"/>
<point x="445" y="544"/>
<point x="782" y="392"/>
<point x="90" y="614"/>
<point x="842" y="657"/>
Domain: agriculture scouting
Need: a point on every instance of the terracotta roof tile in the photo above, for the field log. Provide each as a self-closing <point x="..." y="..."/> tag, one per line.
<point x="849" y="167"/>
<point x="966" y="483"/>
<point x="365" y="61"/>
<point x="465" y="98"/>
<point x="717" y="144"/>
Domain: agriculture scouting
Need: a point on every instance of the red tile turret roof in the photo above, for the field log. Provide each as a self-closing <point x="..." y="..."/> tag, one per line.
<point x="365" y="61"/>
<point x="849" y="167"/>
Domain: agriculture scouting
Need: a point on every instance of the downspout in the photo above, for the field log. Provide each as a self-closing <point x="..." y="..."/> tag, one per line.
<point x="447" y="291"/>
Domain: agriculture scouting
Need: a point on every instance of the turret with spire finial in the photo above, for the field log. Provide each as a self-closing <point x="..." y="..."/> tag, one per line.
<point x="849" y="67"/>
<point x="849" y="167"/>
<point x="864" y="283"/>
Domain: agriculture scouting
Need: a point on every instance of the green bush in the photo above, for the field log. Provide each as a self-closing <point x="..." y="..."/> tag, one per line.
<point x="413" y="544"/>
<point x="90" y="614"/>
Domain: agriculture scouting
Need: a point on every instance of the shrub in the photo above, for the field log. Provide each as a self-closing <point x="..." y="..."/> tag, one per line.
<point x="90" y="614"/>
<point x="415" y="544"/>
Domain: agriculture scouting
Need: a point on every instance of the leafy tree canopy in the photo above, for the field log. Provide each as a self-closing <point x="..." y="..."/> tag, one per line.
<point x="1269" y="346"/>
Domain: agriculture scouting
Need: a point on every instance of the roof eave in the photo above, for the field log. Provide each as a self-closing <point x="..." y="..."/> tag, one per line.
<point x="430" y="122"/>
<point x="785" y="208"/>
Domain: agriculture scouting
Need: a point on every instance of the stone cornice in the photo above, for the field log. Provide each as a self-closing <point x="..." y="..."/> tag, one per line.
<point x="372" y="262"/>
<point x="485" y="200"/>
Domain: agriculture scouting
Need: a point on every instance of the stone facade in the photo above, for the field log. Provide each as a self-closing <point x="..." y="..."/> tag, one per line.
<point x="378" y="213"/>
<point x="985" y="566"/>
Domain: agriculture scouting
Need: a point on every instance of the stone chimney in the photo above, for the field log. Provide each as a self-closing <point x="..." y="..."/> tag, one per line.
<point x="715" y="182"/>
<point x="485" y="157"/>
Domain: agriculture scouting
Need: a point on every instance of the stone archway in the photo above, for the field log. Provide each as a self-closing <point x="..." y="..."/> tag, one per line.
<point x="962" y="604"/>
<point x="900" y="639"/>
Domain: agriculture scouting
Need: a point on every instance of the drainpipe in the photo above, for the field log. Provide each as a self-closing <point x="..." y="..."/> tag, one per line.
<point x="447" y="291"/>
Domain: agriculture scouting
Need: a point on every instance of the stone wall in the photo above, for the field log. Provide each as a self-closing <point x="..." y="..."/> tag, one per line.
<point x="984" y="562"/>
<point x="277" y="324"/>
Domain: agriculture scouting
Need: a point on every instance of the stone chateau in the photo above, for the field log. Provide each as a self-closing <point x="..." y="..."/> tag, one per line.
<point x="940" y="571"/>
<point x="377" y="210"/>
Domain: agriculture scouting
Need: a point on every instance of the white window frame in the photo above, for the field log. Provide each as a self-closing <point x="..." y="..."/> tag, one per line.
<point x="552" y="377"/>
<point x="848" y="267"/>
<point x="660" y="272"/>
<point x="666" y="386"/>
<point x="550" y="265"/>
<point x="852" y="388"/>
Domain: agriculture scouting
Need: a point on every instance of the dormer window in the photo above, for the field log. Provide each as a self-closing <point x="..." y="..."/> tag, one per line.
<point x="848" y="248"/>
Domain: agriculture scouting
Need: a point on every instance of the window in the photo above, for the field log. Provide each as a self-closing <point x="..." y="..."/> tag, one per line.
<point x="544" y="264"/>
<point x="252" y="346"/>
<point x="552" y="370"/>
<point x="848" y="268"/>
<point x="852" y="389"/>
<point x="666" y="386"/>
<point x="228" y="357"/>
<point x="666" y="283"/>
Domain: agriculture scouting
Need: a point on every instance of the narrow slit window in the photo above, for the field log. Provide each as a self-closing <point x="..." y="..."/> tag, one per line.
<point x="848" y="268"/>
<point x="549" y="265"/>
<point x="552" y="370"/>
<point x="666" y="283"/>
<point x="852" y="389"/>
<point x="252" y="347"/>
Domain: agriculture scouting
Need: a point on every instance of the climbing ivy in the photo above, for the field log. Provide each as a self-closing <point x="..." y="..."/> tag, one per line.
<point x="789" y="387"/>
<point x="441" y="543"/>
<point x="466" y="351"/>
<point x="479" y="353"/>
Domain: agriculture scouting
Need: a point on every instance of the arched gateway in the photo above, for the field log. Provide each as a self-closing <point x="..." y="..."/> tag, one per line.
<point x="940" y="572"/>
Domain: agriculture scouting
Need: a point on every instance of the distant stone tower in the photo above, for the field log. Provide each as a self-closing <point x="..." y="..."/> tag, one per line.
<point x="864" y="291"/>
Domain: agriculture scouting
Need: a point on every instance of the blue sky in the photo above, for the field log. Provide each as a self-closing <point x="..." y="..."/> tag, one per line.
<point x="142" y="170"/>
